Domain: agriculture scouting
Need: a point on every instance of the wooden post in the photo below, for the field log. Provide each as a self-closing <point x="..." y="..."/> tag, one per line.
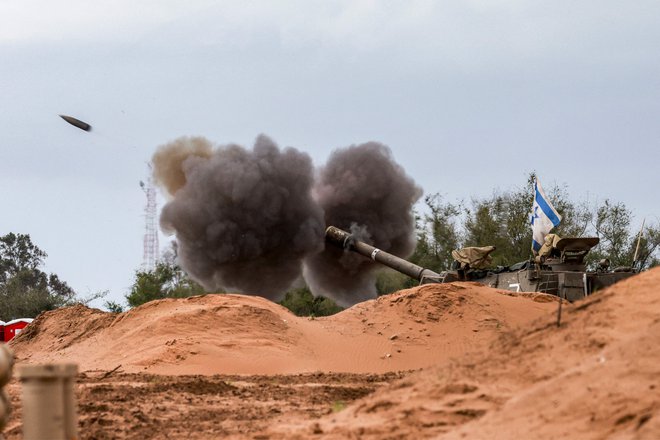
<point x="6" y="364"/>
<point x="49" y="407"/>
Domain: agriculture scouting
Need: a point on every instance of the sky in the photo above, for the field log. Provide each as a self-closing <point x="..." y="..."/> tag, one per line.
<point x="471" y="96"/>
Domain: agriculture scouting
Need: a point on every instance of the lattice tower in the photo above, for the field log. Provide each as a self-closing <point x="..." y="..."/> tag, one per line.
<point x="150" y="255"/>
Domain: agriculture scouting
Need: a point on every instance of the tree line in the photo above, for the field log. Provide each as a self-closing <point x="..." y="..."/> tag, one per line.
<point x="503" y="220"/>
<point x="26" y="290"/>
<point x="500" y="220"/>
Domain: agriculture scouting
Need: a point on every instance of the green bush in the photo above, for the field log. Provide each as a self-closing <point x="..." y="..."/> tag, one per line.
<point x="302" y="303"/>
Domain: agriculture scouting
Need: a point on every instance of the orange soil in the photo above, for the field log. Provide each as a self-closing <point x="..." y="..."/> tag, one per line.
<point x="595" y="377"/>
<point x="495" y="365"/>
<point x="237" y="334"/>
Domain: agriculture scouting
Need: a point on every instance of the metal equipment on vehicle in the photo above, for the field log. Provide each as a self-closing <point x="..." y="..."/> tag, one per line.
<point x="559" y="269"/>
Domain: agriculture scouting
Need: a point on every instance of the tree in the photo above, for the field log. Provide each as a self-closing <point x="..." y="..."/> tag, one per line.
<point x="302" y="303"/>
<point x="25" y="290"/>
<point x="437" y="234"/>
<point x="501" y="221"/>
<point x="113" y="307"/>
<point x="611" y="224"/>
<point x="18" y="253"/>
<point x="437" y="230"/>
<point x="389" y="281"/>
<point x="576" y="217"/>
<point x="166" y="280"/>
<point x="648" y="253"/>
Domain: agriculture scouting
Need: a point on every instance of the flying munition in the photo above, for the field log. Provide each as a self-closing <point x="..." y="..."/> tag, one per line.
<point x="77" y="123"/>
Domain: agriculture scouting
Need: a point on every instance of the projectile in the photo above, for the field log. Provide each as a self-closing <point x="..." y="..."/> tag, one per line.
<point x="77" y="123"/>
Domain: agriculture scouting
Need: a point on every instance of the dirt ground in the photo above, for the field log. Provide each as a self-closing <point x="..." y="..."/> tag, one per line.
<point x="441" y="361"/>
<point x="146" y="406"/>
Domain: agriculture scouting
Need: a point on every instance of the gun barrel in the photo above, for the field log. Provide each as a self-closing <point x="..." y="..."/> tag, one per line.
<point x="345" y="240"/>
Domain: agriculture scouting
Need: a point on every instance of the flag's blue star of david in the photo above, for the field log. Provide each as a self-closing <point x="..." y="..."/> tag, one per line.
<point x="534" y="215"/>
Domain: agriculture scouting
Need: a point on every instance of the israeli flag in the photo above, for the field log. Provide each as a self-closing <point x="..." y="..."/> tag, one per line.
<point x="544" y="217"/>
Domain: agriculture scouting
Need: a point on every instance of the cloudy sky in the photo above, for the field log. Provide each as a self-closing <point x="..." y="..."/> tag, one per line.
<point x="470" y="96"/>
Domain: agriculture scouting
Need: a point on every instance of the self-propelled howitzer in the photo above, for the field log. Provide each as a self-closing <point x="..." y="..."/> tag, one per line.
<point x="560" y="270"/>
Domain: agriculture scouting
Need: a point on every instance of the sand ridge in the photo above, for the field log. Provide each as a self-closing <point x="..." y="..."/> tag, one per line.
<point x="238" y="334"/>
<point x="597" y="376"/>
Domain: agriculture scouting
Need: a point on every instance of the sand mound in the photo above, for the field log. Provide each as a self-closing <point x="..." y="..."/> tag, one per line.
<point x="598" y="376"/>
<point x="236" y="334"/>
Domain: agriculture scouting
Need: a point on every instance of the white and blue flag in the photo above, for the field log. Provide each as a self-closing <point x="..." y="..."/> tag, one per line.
<point x="544" y="217"/>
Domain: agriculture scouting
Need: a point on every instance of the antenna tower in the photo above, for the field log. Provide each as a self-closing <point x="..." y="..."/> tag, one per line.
<point x="150" y="255"/>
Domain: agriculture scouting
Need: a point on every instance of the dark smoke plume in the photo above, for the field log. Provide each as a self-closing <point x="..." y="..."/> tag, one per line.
<point x="363" y="190"/>
<point x="244" y="219"/>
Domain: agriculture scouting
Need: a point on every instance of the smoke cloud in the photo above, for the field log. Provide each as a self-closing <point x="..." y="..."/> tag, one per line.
<point x="168" y="161"/>
<point x="245" y="220"/>
<point x="362" y="190"/>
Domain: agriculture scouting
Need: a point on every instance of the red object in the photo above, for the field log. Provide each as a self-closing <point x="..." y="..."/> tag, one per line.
<point x="14" y="327"/>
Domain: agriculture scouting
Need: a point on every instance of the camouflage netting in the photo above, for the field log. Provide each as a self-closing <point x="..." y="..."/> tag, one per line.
<point x="474" y="257"/>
